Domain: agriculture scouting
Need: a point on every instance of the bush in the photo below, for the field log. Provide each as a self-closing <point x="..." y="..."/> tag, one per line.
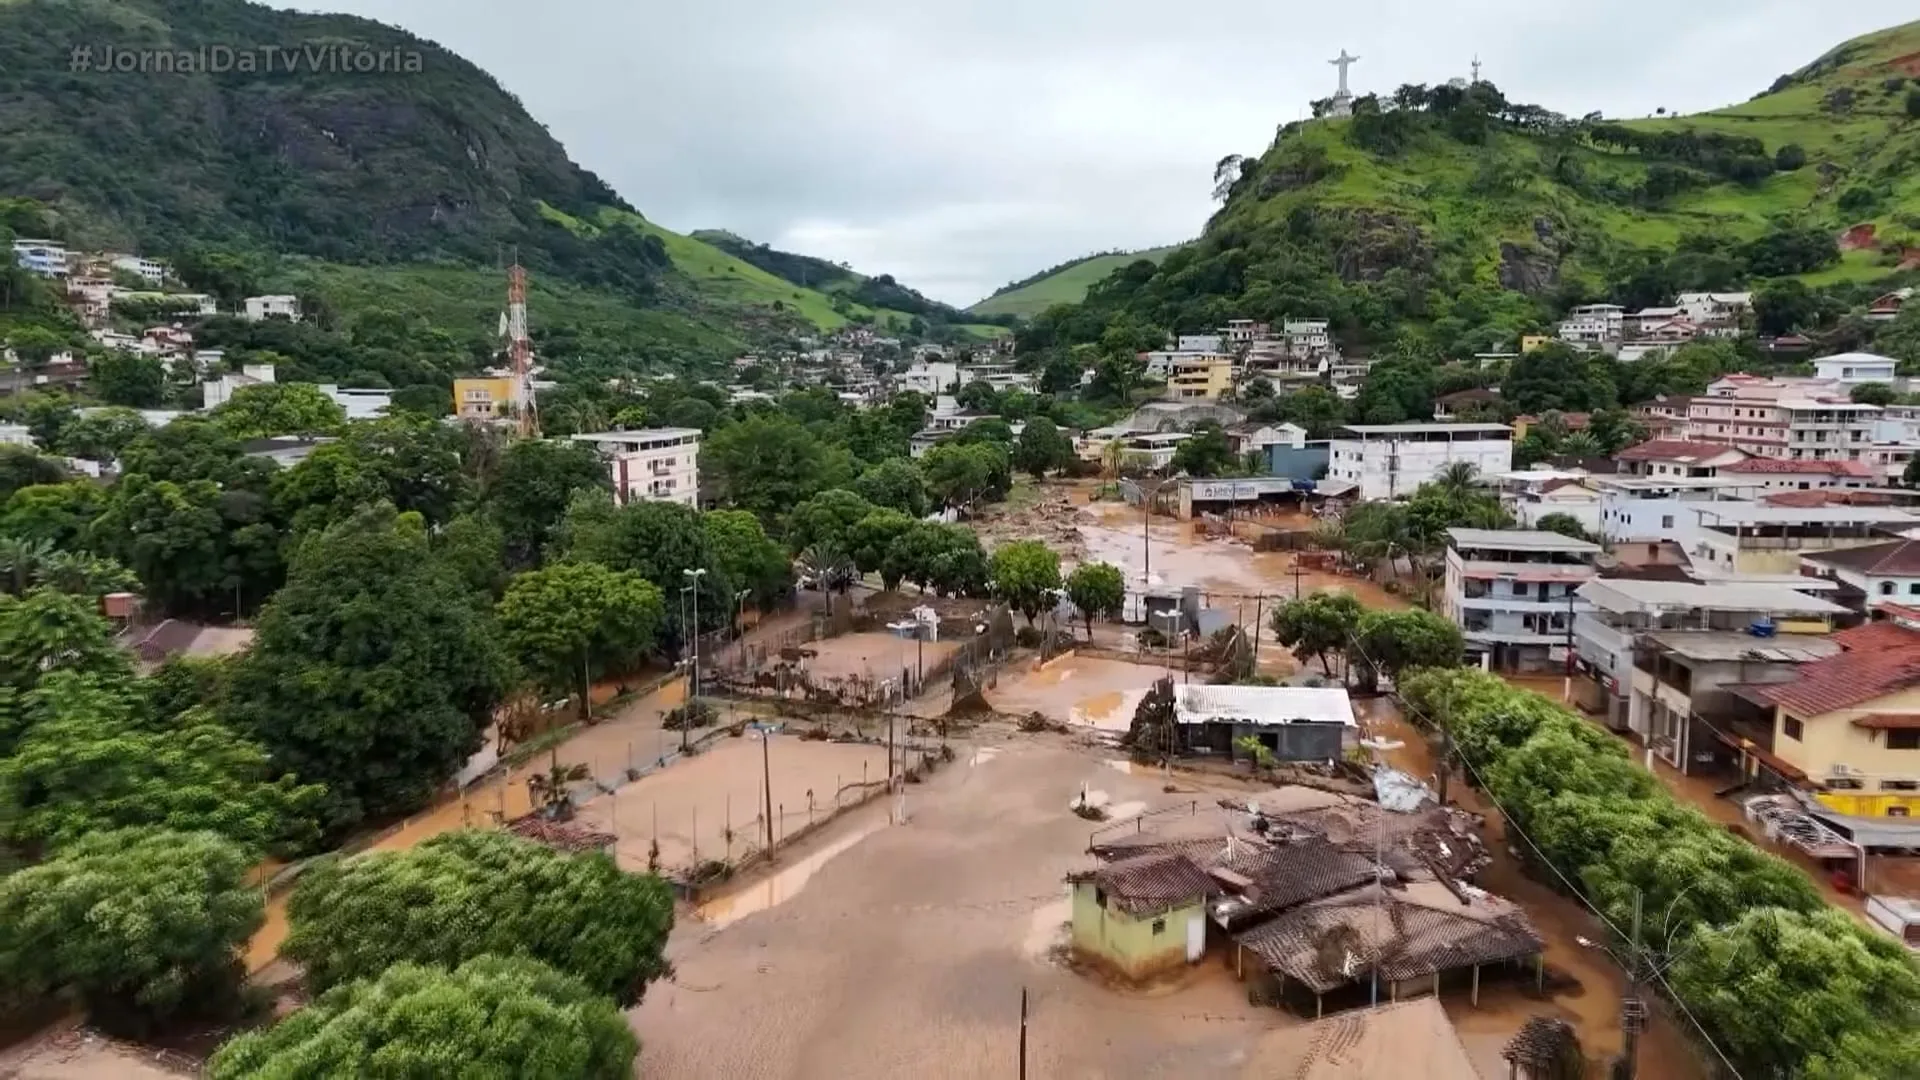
<point x="1790" y="157"/>
<point x="464" y="894"/>
<point x="1028" y="637"/>
<point x="491" y="1016"/>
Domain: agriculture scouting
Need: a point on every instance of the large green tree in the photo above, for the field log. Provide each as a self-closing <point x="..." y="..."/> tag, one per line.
<point x="826" y="521"/>
<point x="59" y="514"/>
<point x="572" y="621"/>
<point x="1318" y="626"/>
<point x="267" y="410"/>
<point x="1391" y="643"/>
<point x="895" y="483"/>
<point x="49" y="631"/>
<point x="1099" y="590"/>
<point x="661" y="542"/>
<point x="945" y="558"/>
<point x="872" y="537"/>
<point x="102" y="434"/>
<point x="90" y="760"/>
<point x="140" y="927"/>
<point x="960" y="476"/>
<point x="374" y="669"/>
<point x="23" y="466"/>
<point x="490" y="1017"/>
<point x="752" y="561"/>
<point x="1206" y="453"/>
<point x="1042" y="448"/>
<point x="536" y="482"/>
<point x="768" y="464"/>
<point x="119" y="377"/>
<point x="469" y="893"/>
<point x="1026" y="574"/>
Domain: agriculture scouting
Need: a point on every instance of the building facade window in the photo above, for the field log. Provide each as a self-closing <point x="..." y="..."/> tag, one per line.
<point x="1792" y="728"/>
<point x="1159" y="927"/>
<point x="1908" y="739"/>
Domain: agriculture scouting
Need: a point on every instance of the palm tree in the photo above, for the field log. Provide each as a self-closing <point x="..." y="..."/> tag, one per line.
<point x="1582" y="444"/>
<point x="21" y="561"/>
<point x="1459" y="478"/>
<point x="829" y="568"/>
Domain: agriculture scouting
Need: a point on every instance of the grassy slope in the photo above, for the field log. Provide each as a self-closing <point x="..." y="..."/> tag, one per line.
<point x="1066" y="287"/>
<point x="1439" y="183"/>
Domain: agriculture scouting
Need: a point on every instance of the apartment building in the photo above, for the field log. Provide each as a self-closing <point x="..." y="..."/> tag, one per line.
<point x="1514" y="593"/>
<point x="42" y="257"/>
<point x="928" y="378"/>
<point x="1854" y="368"/>
<point x="279" y="306"/>
<point x="1622" y="612"/>
<point x="651" y="464"/>
<point x="1652" y="509"/>
<point x="1199" y="377"/>
<point x="153" y="270"/>
<point x="1870" y="578"/>
<point x="1391" y="461"/>
<point x="486" y="399"/>
<point x="1807" y="419"/>
<point x="1692" y="690"/>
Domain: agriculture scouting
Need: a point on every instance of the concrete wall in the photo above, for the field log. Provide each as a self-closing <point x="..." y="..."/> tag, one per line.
<point x="1126" y="944"/>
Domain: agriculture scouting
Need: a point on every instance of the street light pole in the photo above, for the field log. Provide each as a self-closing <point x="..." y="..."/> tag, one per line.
<point x="693" y="632"/>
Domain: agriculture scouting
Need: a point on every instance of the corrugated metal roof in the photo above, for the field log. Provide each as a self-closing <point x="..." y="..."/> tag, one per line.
<point x="1734" y="645"/>
<point x="1631" y="594"/>
<point x="1200" y="704"/>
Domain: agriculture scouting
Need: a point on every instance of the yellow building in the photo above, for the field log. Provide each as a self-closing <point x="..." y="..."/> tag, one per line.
<point x="1851" y="723"/>
<point x="1534" y="341"/>
<point x="1200" y="378"/>
<point x="482" y="399"/>
<point x="1141" y="916"/>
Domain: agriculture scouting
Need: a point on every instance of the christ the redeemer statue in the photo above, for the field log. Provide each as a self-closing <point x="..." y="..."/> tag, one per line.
<point x="1343" y="63"/>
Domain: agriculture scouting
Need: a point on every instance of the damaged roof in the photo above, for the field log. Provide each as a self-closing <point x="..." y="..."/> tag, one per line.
<point x="1409" y="1040"/>
<point x="1150" y="884"/>
<point x="1404" y="933"/>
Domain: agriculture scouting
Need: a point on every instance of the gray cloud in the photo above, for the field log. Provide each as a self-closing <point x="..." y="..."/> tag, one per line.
<point x="960" y="145"/>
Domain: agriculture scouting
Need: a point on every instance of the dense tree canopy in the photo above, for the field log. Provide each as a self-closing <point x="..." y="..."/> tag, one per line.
<point x="491" y="1016"/>
<point x="535" y="484"/>
<point x="572" y="621"/>
<point x="1098" y="590"/>
<point x="374" y="670"/>
<point x="1318" y="626"/>
<point x="1026" y="574"/>
<point x="138" y="926"/>
<point x="466" y="894"/>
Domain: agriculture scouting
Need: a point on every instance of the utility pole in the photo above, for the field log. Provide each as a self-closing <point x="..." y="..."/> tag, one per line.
<point x="1633" y="1011"/>
<point x="1259" y="602"/>
<point x="1296" y="575"/>
<point x="766" y="778"/>
<point x="1023" y="1033"/>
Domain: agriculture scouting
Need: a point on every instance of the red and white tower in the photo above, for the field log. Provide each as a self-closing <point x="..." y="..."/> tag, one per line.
<point x="520" y="351"/>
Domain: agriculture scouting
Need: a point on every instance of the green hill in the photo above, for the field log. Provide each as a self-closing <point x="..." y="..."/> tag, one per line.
<point x="1064" y="284"/>
<point x="1457" y="219"/>
<point x="409" y="185"/>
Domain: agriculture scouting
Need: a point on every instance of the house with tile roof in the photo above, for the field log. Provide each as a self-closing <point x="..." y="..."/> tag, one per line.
<point x="1872" y="576"/>
<point x="1411" y="1040"/>
<point x="1789" y="474"/>
<point x="1849" y="727"/>
<point x="1680" y="458"/>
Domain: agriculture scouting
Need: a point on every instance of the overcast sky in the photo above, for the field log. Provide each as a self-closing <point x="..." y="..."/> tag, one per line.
<point x="960" y="145"/>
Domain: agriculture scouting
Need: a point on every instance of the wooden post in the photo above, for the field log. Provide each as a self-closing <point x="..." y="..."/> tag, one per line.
<point x="1540" y="972"/>
<point x="1476" y="986"/>
<point x="1436" y="984"/>
<point x="1393" y="989"/>
<point x="1319" y="1005"/>
<point x="1239" y="956"/>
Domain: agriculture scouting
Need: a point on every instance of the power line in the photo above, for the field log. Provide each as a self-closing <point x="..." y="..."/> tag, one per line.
<point x="1512" y="828"/>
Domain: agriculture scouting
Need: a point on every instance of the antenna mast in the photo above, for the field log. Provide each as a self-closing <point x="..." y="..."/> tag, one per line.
<point x="520" y="350"/>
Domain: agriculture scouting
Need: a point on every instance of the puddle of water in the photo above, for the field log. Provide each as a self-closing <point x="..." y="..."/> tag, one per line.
<point x="781" y="886"/>
<point x="1112" y="711"/>
<point x="1049" y="928"/>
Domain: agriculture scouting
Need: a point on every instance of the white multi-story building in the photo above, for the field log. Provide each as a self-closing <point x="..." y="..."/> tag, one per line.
<point x="1593" y="326"/>
<point x="1391" y="461"/>
<point x="928" y="378"/>
<point x="652" y="464"/>
<point x="42" y="257"/>
<point x="1513" y="593"/>
<point x="1208" y="343"/>
<point x="272" y="307"/>
<point x="151" y="269"/>
<point x="1716" y="314"/>
<point x="1243" y="332"/>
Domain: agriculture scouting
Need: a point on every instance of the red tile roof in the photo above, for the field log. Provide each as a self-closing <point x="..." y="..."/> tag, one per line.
<point x="1827" y="497"/>
<point x="1880" y="658"/>
<point x="1674" y="450"/>
<point x="1898" y="558"/>
<point x="1800" y="468"/>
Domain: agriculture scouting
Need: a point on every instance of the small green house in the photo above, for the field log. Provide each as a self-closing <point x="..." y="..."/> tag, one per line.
<point x="1142" y="916"/>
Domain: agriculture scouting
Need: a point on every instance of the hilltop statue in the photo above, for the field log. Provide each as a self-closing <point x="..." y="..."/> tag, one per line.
<point x="1342" y="103"/>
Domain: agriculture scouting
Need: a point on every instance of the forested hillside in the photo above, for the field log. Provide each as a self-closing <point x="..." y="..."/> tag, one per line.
<point x="1454" y="219"/>
<point x="1066" y="283"/>
<point x="411" y="184"/>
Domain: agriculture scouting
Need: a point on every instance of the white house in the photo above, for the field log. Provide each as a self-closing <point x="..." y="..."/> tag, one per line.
<point x="653" y="464"/>
<point x="1650" y="509"/>
<point x="217" y="392"/>
<point x="1198" y="343"/>
<point x="153" y="270"/>
<point x="1853" y="368"/>
<point x="272" y="307"/>
<point x="1514" y="593"/>
<point x="1575" y="496"/>
<point x="359" y="404"/>
<point x="1786" y="474"/>
<point x="15" y="435"/>
<point x="1390" y="461"/>
<point x="1875" y="575"/>
<point x="928" y="378"/>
